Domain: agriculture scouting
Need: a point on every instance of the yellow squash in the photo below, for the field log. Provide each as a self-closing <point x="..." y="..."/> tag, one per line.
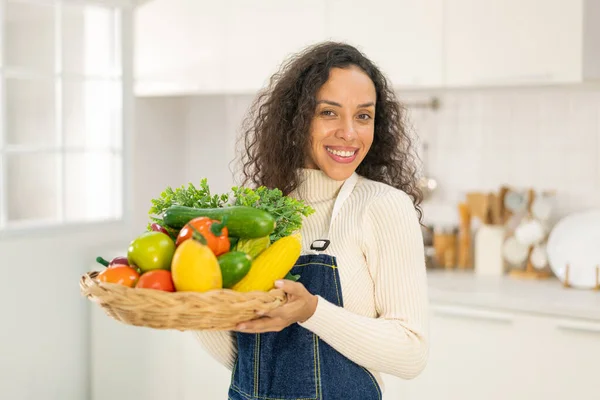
<point x="195" y="268"/>
<point x="272" y="264"/>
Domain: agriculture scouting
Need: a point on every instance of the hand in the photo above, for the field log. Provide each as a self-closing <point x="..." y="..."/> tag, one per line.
<point x="301" y="305"/>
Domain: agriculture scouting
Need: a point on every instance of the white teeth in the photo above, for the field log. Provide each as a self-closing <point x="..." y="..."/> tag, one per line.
<point x="341" y="153"/>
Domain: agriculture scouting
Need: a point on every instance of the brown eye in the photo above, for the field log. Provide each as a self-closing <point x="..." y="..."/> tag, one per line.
<point x="327" y="113"/>
<point x="365" y="117"/>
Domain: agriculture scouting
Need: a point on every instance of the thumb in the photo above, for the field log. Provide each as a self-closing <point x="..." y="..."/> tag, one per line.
<point x="290" y="287"/>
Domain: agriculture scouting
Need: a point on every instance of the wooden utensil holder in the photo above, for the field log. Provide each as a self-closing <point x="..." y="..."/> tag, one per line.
<point x="530" y="272"/>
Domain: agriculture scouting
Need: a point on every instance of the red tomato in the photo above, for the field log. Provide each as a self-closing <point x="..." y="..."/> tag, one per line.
<point x="159" y="279"/>
<point x="119" y="274"/>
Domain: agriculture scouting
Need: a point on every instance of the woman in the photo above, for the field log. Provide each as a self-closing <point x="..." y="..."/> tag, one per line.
<point x="330" y="132"/>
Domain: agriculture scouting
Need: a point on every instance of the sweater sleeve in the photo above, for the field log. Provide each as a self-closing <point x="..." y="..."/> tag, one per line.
<point x="395" y="342"/>
<point x="220" y="345"/>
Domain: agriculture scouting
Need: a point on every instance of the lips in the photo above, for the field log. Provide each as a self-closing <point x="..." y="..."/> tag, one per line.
<point x="342" y="152"/>
<point x="342" y="155"/>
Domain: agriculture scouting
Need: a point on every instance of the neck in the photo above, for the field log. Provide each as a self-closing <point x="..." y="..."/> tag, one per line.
<point x="316" y="186"/>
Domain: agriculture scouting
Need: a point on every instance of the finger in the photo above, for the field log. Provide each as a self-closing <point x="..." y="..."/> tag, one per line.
<point x="291" y="287"/>
<point x="261" y="325"/>
<point x="283" y="312"/>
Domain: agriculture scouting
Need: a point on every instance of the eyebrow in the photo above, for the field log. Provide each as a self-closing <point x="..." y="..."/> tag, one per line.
<point x="333" y="103"/>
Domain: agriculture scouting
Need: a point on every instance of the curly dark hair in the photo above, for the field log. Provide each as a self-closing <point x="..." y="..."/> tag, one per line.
<point x="276" y="130"/>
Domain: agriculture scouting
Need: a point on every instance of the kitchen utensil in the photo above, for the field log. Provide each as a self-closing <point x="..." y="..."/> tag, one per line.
<point x="488" y="250"/>
<point x="495" y="209"/>
<point x="575" y="241"/>
<point x="504" y="213"/>
<point x="464" y="237"/>
<point x="538" y="257"/>
<point x="515" y="201"/>
<point x="479" y="206"/>
<point x="444" y="243"/>
<point x="426" y="183"/>
<point x="514" y="252"/>
<point x="530" y="232"/>
<point x="542" y="206"/>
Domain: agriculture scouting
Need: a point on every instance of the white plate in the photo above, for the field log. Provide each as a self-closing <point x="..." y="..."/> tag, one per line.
<point x="575" y="240"/>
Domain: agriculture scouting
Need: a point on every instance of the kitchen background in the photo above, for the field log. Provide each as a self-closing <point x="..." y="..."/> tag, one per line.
<point x="519" y="105"/>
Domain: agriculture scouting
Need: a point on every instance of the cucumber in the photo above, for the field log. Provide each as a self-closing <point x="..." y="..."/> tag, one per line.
<point x="234" y="266"/>
<point x="242" y="221"/>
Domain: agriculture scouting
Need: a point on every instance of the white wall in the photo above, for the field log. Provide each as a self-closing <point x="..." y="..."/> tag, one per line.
<point x="158" y="150"/>
<point x="545" y="138"/>
<point x="212" y="128"/>
<point x="44" y="334"/>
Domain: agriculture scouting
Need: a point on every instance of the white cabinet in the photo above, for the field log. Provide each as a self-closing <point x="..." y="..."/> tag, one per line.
<point x="516" y="42"/>
<point x="260" y="35"/>
<point x="472" y="354"/>
<point x="480" y="353"/>
<point x="234" y="46"/>
<point x="403" y="37"/>
<point x="229" y="46"/>
<point x="179" y="47"/>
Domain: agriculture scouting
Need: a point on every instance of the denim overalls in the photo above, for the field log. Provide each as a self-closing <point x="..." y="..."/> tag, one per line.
<point x="295" y="364"/>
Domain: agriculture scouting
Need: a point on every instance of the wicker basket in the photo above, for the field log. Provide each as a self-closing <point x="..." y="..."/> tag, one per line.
<point x="213" y="310"/>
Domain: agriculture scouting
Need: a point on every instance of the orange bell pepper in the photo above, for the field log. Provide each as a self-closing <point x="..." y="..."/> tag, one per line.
<point x="215" y="232"/>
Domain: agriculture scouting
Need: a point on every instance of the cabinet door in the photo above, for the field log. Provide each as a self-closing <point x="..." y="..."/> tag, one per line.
<point x="403" y="37"/>
<point x="473" y="355"/>
<point x="179" y="47"/>
<point x="261" y="34"/>
<point x="485" y="354"/>
<point x="563" y="358"/>
<point x="503" y="42"/>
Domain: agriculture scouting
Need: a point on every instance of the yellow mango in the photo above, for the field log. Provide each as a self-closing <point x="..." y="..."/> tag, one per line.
<point x="195" y="268"/>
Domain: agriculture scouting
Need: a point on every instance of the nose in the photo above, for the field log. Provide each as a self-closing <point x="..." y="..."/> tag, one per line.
<point x="346" y="130"/>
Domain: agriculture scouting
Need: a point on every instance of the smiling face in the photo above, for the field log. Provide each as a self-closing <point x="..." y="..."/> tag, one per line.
<point x="342" y="129"/>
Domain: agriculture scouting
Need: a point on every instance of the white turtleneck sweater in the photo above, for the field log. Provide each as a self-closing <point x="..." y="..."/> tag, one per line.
<point x="378" y="244"/>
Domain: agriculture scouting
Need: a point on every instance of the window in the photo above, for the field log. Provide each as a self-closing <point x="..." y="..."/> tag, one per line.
<point x="63" y="88"/>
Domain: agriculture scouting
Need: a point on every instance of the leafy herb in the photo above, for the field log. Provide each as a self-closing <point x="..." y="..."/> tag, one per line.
<point x="190" y="196"/>
<point x="287" y="211"/>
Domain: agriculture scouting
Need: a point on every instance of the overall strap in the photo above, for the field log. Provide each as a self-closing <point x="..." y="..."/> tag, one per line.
<point x="345" y="191"/>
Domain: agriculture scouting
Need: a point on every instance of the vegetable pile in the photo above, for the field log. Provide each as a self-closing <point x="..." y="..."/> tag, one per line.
<point x="197" y="241"/>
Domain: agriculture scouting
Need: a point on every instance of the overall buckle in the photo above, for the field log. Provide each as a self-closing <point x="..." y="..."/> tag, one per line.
<point x="320" y="244"/>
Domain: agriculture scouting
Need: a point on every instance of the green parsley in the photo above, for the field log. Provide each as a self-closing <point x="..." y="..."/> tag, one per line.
<point x="287" y="211"/>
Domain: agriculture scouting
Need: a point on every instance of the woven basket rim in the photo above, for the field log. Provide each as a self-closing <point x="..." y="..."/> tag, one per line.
<point x="88" y="280"/>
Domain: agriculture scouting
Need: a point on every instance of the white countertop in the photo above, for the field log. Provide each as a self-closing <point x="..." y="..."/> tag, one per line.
<point x="545" y="297"/>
